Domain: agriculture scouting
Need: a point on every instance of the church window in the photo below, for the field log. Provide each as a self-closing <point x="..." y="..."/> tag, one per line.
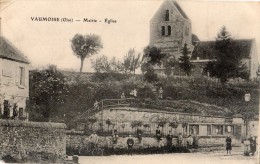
<point x="167" y="15"/>
<point x="163" y="30"/>
<point x="169" y="30"/>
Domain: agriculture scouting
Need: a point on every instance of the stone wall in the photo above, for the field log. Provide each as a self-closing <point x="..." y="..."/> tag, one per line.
<point x="123" y="119"/>
<point x="74" y="140"/>
<point x="22" y="140"/>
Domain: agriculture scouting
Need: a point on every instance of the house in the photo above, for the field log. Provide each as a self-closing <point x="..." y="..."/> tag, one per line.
<point x="171" y="28"/>
<point x="14" y="81"/>
<point x="204" y="51"/>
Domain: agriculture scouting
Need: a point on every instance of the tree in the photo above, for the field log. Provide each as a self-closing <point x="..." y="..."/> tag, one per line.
<point x="227" y="64"/>
<point x="48" y="89"/>
<point x="101" y="64"/>
<point x="184" y="59"/>
<point x="152" y="57"/>
<point x="169" y="64"/>
<point x="132" y="61"/>
<point x="104" y="65"/>
<point x="85" y="46"/>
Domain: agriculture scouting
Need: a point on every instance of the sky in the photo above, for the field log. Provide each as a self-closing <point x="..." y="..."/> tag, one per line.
<point x="50" y="42"/>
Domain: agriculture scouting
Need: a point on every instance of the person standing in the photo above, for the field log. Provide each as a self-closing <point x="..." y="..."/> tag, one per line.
<point x="158" y="135"/>
<point x="180" y="139"/>
<point x="115" y="137"/>
<point x="139" y="134"/>
<point x="96" y="106"/>
<point x="123" y="95"/>
<point x="93" y="139"/>
<point x="253" y="145"/>
<point x="169" y="140"/>
<point x="130" y="144"/>
<point x="228" y="144"/>
<point x="190" y="141"/>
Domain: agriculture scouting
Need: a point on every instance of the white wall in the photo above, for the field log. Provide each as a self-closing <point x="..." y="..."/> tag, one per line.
<point x="10" y="89"/>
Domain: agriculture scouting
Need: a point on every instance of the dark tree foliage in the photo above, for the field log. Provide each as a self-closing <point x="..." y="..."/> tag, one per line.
<point x="152" y="57"/>
<point x="227" y="64"/>
<point x="48" y="90"/>
<point x="149" y="73"/>
<point x="184" y="59"/>
<point x="170" y="63"/>
<point x="85" y="46"/>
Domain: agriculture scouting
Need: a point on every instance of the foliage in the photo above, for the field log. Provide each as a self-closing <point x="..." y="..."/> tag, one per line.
<point x="170" y="63"/>
<point x="101" y="64"/>
<point x="228" y="63"/>
<point x="149" y="73"/>
<point x="48" y="90"/>
<point x="85" y="46"/>
<point x="132" y="61"/>
<point x="146" y="92"/>
<point x="162" y="121"/>
<point x="136" y="124"/>
<point x="173" y="124"/>
<point x="104" y="65"/>
<point x="185" y="63"/>
<point x="153" y="56"/>
<point x="108" y="76"/>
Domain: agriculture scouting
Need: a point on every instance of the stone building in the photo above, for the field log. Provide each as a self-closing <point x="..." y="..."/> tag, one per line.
<point x="171" y="28"/>
<point x="14" y="80"/>
<point x="211" y="130"/>
<point x="204" y="52"/>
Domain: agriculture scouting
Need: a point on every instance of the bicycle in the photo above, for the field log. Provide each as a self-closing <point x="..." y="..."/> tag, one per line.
<point x="92" y="148"/>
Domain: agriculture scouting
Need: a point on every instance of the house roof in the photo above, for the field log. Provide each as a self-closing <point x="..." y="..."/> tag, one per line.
<point x="206" y="49"/>
<point x="9" y="51"/>
<point x="180" y="9"/>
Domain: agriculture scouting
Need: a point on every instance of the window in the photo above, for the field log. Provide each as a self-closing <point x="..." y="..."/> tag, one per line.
<point x="169" y="30"/>
<point x="167" y="15"/>
<point x="194" y="129"/>
<point x="21" y="76"/>
<point x="217" y="129"/>
<point x="163" y="30"/>
<point x="229" y="129"/>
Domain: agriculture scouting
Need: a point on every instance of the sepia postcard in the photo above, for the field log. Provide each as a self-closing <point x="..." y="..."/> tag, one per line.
<point x="133" y="81"/>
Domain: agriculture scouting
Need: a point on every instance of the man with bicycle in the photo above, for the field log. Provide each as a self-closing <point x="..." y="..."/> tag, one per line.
<point x="93" y="139"/>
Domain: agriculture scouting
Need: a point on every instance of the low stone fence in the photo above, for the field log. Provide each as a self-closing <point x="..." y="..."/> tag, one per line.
<point x="36" y="140"/>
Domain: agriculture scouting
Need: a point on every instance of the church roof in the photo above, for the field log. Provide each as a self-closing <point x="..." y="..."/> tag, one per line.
<point x="8" y="51"/>
<point x="206" y="49"/>
<point x="180" y="9"/>
<point x="169" y="4"/>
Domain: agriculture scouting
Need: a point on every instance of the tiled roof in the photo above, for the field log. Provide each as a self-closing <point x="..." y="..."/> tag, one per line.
<point x="8" y="51"/>
<point x="206" y="49"/>
<point x="180" y="9"/>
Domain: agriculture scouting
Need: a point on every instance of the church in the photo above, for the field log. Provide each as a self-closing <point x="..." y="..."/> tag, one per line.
<point x="171" y="28"/>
